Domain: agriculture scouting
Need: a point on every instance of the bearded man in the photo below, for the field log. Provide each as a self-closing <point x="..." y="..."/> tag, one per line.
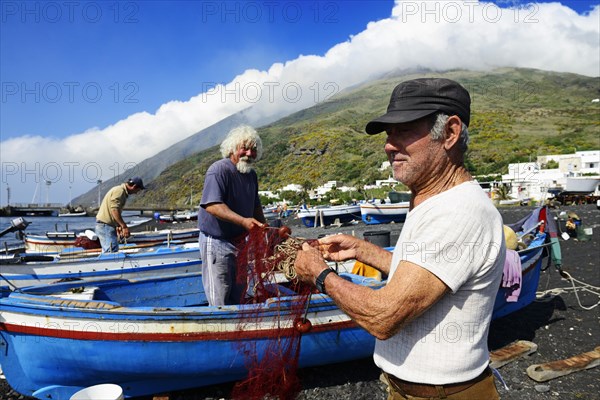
<point x="230" y="207"/>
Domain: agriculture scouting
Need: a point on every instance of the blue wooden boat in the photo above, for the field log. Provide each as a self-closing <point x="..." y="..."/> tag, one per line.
<point x="20" y="270"/>
<point x="157" y="335"/>
<point x="327" y="215"/>
<point x="542" y="226"/>
<point x="384" y="213"/>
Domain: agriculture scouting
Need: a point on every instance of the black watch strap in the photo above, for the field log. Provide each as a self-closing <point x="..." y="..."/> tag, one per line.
<point x="320" y="281"/>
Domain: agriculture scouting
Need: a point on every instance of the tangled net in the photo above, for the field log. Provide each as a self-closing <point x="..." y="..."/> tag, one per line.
<point x="271" y="358"/>
<point x="285" y="256"/>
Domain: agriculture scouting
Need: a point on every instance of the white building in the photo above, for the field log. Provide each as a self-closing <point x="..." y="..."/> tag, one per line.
<point x="531" y="181"/>
<point x="385" y="165"/>
<point x="386" y="182"/>
<point x="292" y="187"/>
<point x="581" y="162"/>
<point x="327" y="187"/>
<point x="268" y="193"/>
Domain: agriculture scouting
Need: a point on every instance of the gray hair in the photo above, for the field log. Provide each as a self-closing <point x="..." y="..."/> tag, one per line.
<point x="241" y="135"/>
<point x="437" y="131"/>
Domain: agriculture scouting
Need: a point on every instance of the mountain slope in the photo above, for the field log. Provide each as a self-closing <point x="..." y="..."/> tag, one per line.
<point x="151" y="167"/>
<point x="517" y="114"/>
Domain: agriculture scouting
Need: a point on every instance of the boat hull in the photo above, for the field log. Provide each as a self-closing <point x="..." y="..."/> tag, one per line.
<point x="312" y="217"/>
<point x="160" y="348"/>
<point x="531" y="263"/>
<point x="72" y="215"/>
<point x="384" y="213"/>
<point x="53" y="243"/>
<point x="142" y="263"/>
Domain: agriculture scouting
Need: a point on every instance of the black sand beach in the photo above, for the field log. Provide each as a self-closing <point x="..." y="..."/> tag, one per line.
<point x="556" y="323"/>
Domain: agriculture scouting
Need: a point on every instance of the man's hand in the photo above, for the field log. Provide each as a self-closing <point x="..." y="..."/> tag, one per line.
<point x="123" y="232"/>
<point x="338" y="247"/>
<point x="309" y="263"/>
<point x="251" y="223"/>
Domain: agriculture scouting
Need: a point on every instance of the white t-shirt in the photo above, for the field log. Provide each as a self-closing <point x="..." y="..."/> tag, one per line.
<point x="458" y="236"/>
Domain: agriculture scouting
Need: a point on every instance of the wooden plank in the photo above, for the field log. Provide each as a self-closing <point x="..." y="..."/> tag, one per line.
<point x="511" y="352"/>
<point x="554" y="369"/>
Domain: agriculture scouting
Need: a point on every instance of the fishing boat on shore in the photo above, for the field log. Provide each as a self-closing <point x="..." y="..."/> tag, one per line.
<point x="184" y="216"/>
<point x="540" y="233"/>
<point x="56" y="242"/>
<point x="131" y="262"/>
<point x="384" y="213"/>
<point x="171" y="340"/>
<point x="158" y="335"/>
<point x="327" y="215"/>
<point x="394" y="209"/>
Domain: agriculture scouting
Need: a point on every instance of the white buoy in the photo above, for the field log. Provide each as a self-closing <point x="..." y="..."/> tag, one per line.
<point x="106" y="391"/>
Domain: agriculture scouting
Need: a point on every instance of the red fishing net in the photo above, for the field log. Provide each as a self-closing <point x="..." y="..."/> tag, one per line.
<point x="271" y="356"/>
<point x="86" y="243"/>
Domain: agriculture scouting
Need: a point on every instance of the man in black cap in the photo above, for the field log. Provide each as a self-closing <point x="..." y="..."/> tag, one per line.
<point x="431" y="320"/>
<point x="109" y="222"/>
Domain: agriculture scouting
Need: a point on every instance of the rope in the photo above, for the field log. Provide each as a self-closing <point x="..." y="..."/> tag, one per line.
<point x="285" y="255"/>
<point x="583" y="287"/>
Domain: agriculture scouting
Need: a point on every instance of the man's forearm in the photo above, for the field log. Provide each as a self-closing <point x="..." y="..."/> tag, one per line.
<point x="117" y="217"/>
<point x="223" y="212"/>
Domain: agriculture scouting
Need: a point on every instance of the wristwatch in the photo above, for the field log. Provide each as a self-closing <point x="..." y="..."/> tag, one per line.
<point x="320" y="281"/>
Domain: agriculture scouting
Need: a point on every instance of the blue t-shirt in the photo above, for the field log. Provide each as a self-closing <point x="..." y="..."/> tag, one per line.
<point x="225" y="184"/>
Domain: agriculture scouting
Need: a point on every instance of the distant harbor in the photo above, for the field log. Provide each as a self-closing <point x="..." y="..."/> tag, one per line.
<point x="31" y="209"/>
<point x="54" y="209"/>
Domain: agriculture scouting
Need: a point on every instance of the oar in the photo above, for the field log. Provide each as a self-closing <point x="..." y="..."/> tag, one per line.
<point x="16" y="289"/>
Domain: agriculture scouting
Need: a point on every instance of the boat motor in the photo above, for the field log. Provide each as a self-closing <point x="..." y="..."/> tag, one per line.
<point x="17" y="224"/>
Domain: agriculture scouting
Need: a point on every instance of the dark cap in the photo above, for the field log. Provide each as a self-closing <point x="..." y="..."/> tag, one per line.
<point x="137" y="181"/>
<point x="419" y="98"/>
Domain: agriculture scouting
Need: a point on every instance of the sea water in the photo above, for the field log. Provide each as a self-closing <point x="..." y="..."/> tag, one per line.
<point x="41" y="225"/>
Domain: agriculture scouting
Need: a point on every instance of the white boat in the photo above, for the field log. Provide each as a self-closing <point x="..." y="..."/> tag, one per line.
<point x="73" y="214"/>
<point x="56" y="242"/>
<point x="513" y="202"/>
<point x="183" y="216"/>
<point x="271" y="213"/>
<point x="383" y="213"/>
<point x="138" y="221"/>
<point x="327" y="215"/>
<point x="582" y="184"/>
<point x="21" y="270"/>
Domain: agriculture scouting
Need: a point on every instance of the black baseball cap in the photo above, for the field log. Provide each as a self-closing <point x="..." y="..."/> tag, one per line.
<point x="137" y="181"/>
<point x="421" y="97"/>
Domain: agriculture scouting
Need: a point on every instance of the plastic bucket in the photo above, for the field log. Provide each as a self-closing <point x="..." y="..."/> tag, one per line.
<point x="107" y="391"/>
<point x="380" y="238"/>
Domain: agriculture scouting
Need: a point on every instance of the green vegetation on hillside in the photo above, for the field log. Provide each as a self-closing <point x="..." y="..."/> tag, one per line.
<point x="517" y="114"/>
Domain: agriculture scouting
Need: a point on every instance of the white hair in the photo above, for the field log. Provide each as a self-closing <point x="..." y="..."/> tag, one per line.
<point x="241" y="135"/>
<point x="437" y="131"/>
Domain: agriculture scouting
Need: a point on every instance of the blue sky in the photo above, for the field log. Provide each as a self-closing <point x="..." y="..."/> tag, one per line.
<point x="68" y="69"/>
<point x="107" y="84"/>
<point x="65" y="69"/>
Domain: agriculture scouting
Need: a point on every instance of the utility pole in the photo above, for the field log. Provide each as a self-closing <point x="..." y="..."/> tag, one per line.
<point x="99" y="182"/>
<point x="48" y="183"/>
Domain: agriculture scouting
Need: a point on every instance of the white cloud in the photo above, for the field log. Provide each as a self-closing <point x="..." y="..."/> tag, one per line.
<point x="437" y="35"/>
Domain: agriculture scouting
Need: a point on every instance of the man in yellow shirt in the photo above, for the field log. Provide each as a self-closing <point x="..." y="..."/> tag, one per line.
<point x="109" y="222"/>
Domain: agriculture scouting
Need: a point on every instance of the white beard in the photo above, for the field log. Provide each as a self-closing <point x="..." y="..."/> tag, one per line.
<point x="244" y="165"/>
